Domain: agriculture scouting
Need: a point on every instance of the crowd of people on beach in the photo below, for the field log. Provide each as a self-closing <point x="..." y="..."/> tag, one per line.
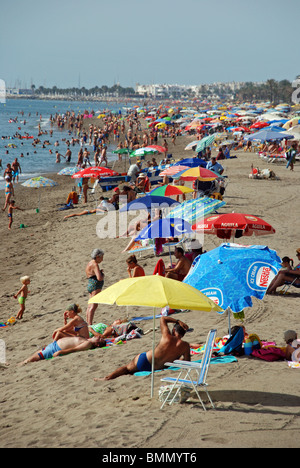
<point x="78" y="334"/>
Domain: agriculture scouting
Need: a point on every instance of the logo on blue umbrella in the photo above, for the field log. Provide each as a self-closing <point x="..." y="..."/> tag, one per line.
<point x="215" y="294"/>
<point x="259" y="275"/>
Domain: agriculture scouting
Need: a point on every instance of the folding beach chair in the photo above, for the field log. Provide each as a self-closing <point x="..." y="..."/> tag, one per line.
<point x="288" y="284"/>
<point x="188" y="368"/>
<point x="93" y="191"/>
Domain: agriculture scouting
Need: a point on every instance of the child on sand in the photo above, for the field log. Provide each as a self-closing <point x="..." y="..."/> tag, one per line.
<point x="23" y="292"/>
<point x="12" y="207"/>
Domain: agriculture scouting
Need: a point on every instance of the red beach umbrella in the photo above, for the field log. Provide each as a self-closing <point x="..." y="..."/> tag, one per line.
<point x="234" y="224"/>
<point x="172" y="170"/>
<point x="200" y="173"/>
<point x="260" y="125"/>
<point x="95" y="171"/>
<point x="160" y="149"/>
<point x="241" y="129"/>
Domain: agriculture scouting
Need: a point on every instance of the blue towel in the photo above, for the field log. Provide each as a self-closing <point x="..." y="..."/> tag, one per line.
<point x="234" y="343"/>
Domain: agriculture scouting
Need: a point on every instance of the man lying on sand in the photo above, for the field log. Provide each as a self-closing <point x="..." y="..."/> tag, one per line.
<point x="66" y="345"/>
<point x="170" y="347"/>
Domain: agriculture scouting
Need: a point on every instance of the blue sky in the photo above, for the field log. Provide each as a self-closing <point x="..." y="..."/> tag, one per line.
<point x="155" y="41"/>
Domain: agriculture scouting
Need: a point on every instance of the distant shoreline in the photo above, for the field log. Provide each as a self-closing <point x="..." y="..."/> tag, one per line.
<point x="68" y="98"/>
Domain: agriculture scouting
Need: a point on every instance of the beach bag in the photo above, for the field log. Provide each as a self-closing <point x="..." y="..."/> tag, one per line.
<point x="269" y="354"/>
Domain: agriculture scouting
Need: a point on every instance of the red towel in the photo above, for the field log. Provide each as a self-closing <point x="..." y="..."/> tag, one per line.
<point x="160" y="268"/>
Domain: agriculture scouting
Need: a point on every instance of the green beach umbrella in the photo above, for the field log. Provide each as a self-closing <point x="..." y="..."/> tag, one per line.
<point x="143" y="152"/>
<point x="205" y="142"/>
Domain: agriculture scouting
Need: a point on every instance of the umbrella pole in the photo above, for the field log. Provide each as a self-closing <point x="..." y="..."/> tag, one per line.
<point x="170" y="255"/>
<point x="229" y="326"/>
<point x="39" y="201"/>
<point x="153" y="348"/>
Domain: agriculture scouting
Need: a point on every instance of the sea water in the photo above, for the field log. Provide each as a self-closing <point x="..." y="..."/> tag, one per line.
<point x="38" y="160"/>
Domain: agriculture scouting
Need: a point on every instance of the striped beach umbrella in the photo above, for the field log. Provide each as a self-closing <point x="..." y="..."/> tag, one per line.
<point x="199" y="173"/>
<point x="195" y="209"/>
<point x="172" y="170"/>
<point x="169" y="190"/>
<point x="205" y="142"/>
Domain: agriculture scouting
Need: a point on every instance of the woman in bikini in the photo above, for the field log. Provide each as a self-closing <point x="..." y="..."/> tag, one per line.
<point x="77" y="326"/>
<point x="9" y="191"/>
<point x="95" y="278"/>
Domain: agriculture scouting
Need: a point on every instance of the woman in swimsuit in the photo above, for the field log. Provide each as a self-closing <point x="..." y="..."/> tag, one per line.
<point x="285" y="277"/>
<point x="9" y="191"/>
<point x="95" y="278"/>
<point x="77" y="326"/>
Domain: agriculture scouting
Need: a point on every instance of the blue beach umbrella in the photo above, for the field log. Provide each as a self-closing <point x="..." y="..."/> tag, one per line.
<point x="167" y="227"/>
<point x="191" y="162"/>
<point x="149" y="202"/>
<point x="231" y="274"/>
<point x="268" y="135"/>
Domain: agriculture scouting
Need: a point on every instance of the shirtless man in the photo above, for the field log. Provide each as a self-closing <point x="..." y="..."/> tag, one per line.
<point x="68" y="155"/>
<point x="170" y="347"/>
<point x="181" y="268"/>
<point x="64" y="346"/>
<point x="16" y="170"/>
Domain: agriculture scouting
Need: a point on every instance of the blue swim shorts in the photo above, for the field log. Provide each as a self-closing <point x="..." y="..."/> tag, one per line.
<point x="143" y="365"/>
<point x="48" y="352"/>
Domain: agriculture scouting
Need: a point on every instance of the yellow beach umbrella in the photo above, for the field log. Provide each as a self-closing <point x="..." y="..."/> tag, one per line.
<point x="157" y="292"/>
<point x="163" y="292"/>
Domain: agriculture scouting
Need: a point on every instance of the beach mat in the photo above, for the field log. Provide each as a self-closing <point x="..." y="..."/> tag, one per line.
<point x="214" y="360"/>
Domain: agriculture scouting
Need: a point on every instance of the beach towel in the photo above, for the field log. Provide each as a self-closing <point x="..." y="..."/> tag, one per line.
<point x="159" y="241"/>
<point x="214" y="360"/>
<point x="234" y="344"/>
<point x="160" y="268"/>
<point x="269" y="354"/>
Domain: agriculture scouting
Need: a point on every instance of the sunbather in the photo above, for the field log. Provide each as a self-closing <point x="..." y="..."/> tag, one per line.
<point x="170" y="347"/>
<point x="76" y="326"/>
<point x="285" y="277"/>
<point x="66" y="345"/>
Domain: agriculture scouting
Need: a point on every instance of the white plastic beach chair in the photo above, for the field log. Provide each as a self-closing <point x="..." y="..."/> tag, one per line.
<point x="93" y="191"/>
<point x="188" y="368"/>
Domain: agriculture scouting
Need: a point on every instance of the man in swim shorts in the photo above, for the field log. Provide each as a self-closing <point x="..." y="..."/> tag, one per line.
<point x="170" y="347"/>
<point x="66" y="345"/>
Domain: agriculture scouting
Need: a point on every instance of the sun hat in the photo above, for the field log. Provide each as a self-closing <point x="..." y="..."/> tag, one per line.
<point x="289" y="336"/>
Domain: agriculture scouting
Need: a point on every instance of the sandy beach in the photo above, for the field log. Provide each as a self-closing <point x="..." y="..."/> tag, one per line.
<point x="57" y="403"/>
